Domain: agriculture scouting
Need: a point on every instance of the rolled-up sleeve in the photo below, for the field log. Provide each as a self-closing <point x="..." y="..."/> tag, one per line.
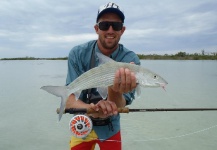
<point x="129" y="97"/>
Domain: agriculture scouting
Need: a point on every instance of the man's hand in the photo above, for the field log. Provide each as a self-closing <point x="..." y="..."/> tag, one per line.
<point x="104" y="108"/>
<point x="125" y="81"/>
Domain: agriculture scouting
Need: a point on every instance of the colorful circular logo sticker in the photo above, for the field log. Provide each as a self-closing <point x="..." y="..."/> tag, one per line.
<point x="80" y="126"/>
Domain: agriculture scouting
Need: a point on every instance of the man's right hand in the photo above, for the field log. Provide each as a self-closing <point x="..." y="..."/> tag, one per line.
<point x="105" y="108"/>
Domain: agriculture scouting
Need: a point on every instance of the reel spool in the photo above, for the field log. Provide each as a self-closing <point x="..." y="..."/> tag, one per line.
<point x="80" y="126"/>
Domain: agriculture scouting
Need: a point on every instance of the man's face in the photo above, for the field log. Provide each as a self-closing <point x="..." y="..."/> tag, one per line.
<point x="109" y="38"/>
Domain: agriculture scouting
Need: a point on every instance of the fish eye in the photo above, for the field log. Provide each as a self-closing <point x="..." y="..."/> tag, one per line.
<point x="155" y="76"/>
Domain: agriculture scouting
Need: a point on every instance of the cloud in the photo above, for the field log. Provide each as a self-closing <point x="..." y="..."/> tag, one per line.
<point x="67" y="38"/>
<point x="51" y="28"/>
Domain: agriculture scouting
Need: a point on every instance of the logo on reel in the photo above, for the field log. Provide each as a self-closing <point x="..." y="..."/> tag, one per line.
<point x="80" y="126"/>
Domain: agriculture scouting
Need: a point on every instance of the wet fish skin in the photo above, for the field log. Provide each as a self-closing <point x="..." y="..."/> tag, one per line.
<point x="103" y="76"/>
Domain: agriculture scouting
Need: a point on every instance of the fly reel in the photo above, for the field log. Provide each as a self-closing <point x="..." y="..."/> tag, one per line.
<point x="80" y="126"/>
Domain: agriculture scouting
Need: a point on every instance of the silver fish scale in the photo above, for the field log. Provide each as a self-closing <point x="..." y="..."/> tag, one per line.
<point x="103" y="76"/>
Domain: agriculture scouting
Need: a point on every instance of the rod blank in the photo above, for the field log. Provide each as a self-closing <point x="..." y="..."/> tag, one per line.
<point x="127" y="110"/>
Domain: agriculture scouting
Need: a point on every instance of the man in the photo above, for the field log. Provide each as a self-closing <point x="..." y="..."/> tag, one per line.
<point x="106" y="125"/>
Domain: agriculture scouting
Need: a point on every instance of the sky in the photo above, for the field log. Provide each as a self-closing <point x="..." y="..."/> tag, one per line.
<point x="51" y="28"/>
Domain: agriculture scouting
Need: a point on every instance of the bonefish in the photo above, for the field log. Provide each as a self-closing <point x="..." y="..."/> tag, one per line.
<point x="103" y="76"/>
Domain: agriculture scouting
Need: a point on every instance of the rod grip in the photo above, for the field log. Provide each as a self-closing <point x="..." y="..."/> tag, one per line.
<point x="120" y="110"/>
<point x="89" y="110"/>
<point x="123" y="110"/>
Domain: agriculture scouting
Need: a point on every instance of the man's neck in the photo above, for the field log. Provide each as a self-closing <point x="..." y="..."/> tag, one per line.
<point x="105" y="51"/>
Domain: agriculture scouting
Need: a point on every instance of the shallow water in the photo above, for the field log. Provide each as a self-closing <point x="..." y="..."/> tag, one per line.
<point x="28" y="118"/>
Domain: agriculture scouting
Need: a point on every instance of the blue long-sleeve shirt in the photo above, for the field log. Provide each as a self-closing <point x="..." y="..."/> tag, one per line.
<point x="79" y="61"/>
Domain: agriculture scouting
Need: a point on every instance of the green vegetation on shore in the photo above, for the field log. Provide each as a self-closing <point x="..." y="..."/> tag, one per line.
<point x="33" y="58"/>
<point x="178" y="56"/>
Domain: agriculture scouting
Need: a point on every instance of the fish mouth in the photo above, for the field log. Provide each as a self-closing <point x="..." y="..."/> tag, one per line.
<point x="161" y="84"/>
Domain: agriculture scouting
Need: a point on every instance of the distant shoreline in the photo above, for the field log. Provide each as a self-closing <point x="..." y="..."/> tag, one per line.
<point x="33" y="58"/>
<point x="178" y="56"/>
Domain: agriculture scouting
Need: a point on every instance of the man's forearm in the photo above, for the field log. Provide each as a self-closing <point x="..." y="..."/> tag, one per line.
<point x="116" y="97"/>
<point x="73" y="103"/>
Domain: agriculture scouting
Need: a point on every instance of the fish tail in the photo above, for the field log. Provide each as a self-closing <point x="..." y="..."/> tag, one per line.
<point x="59" y="91"/>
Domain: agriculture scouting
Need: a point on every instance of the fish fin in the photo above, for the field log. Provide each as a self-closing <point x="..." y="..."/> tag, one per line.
<point x="138" y="91"/>
<point x="103" y="59"/>
<point x="103" y="92"/>
<point x="59" y="91"/>
<point x="77" y="94"/>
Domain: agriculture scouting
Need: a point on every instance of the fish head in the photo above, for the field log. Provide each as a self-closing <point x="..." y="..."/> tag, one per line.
<point x="147" y="78"/>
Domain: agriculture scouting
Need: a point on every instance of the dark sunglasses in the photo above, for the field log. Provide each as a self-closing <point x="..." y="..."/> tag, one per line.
<point x="104" y="26"/>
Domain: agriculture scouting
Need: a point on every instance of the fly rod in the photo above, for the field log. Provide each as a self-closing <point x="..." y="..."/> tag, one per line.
<point x="81" y="125"/>
<point x="127" y="110"/>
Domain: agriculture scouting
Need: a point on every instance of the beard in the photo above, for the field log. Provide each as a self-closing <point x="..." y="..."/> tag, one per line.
<point x="109" y="45"/>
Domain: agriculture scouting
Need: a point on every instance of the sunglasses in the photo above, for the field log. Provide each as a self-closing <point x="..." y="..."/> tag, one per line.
<point x="104" y="26"/>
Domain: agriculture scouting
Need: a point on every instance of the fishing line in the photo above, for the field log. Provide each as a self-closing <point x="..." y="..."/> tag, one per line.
<point x="172" y="99"/>
<point x="79" y="123"/>
<point x="163" y="138"/>
<point x="178" y="136"/>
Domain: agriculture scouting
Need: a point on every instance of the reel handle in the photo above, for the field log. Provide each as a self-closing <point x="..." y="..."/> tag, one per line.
<point x="89" y="110"/>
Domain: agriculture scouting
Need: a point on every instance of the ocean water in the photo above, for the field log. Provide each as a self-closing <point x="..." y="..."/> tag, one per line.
<point x="29" y="121"/>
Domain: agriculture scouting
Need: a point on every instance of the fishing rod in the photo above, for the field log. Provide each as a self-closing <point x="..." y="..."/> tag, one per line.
<point x="81" y="125"/>
<point x="128" y="110"/>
